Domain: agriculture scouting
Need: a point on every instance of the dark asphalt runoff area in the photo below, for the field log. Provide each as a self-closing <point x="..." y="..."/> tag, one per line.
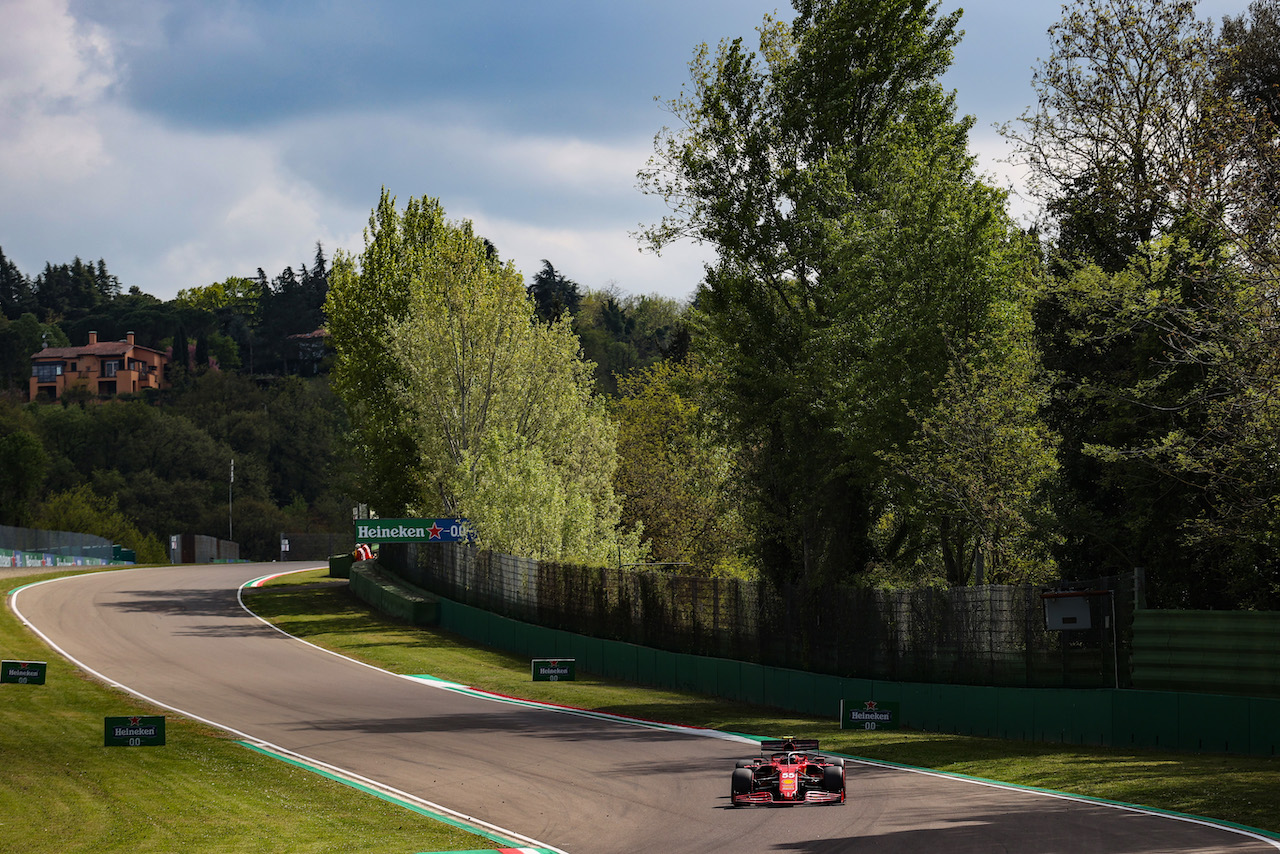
<point x="178" y="636"/>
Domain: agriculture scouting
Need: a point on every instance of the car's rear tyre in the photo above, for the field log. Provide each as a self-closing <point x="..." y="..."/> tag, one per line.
<point x="839" y="763"/>
<point x="742" y="781"/>
<point x="745" y="763"/>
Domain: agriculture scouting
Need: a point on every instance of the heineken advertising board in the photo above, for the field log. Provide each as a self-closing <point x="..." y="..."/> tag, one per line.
<point x="133" y="731"/>
<point x="868" y="715"/>
<point x="553" y="669"/>
<point x="414" y="531"/>
<point x="23" y="672"/>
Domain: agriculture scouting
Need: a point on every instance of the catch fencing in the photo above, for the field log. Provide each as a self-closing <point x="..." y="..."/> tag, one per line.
<point x="34" y="547"/>
<point x="316" y="546"/>
<point x="988" y="635"/>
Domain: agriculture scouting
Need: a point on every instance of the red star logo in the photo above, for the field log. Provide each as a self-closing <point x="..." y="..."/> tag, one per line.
<point x="870" y="704"/>
<point x="134" y="721"/>
<point x="435" y="530"/>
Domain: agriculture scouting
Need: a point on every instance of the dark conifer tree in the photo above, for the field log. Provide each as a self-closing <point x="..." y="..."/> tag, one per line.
<point x="553" y="294"/>
<point x="16" y="295"/>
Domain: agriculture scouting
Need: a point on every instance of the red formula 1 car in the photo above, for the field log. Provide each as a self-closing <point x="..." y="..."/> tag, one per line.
<point x="790" y="772"/>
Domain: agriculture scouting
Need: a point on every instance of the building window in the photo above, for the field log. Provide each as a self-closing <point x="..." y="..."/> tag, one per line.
<point x="109" y="368"/>
<point x="46" y="373"/>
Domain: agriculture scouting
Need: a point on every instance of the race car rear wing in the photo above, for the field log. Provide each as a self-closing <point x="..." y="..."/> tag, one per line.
<point x="789" y="745"/>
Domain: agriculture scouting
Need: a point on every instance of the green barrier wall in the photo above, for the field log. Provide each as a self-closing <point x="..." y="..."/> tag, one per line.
<point x="1104" y="716"/>
<point x="391" y="597"/>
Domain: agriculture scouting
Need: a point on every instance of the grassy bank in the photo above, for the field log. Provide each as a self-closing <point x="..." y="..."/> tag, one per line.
<point x="61" y="791"/>
<point x="1239" y="789"/>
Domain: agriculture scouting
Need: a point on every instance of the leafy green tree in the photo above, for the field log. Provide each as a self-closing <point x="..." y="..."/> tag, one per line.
<point x="675" y="474"/>
<point x="367" y="294"/>
<point x="621" y="333"/>
<point x="1242" y="139"/>
<point x="147" y="317"/>
<point x="1168" y="471"/>
<point x="511" y="434"/>
<point x="235" y="293"/>
<point x="23" y="466"/>
<point x="82" y="511"/>
<point x="164" y="472"/>
<point x="181" y="357"/>
<point x="1120" y="97"/>
<point x="493" y="413"/>
<point x="1158" y="170"/>
<point x="984" y="463"/>
<point x="858" y="256"/>
<point x="1249" y="64"/>
<point x="293" y="304"/>
<point x="202" y="353"/>
<point x="19" y="341"/>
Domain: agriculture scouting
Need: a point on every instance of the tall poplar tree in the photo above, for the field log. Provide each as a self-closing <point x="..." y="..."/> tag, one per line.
<point x="858" y="258"/>
<point x="489" y="413"/>
<point x="367" y="294"/>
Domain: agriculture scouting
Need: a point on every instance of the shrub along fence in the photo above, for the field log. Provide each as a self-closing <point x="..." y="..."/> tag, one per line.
<point x="993" y="635"/>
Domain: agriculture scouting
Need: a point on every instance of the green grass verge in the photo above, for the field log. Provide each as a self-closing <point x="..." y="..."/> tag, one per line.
<point x="1239" y="789"/>
<point x="61" y="791"/>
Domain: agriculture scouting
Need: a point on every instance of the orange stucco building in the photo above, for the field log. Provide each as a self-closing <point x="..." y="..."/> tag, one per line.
<point x="102" y="367"/>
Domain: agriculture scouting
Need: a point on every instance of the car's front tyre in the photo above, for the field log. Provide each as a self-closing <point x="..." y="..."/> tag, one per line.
<point x="743" y="782"/>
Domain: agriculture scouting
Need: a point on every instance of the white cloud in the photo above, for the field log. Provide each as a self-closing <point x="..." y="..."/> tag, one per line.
<point x="596" y="258"/>
<point x="996" y="163"/>
<point x="585" y="167"/>
<point x="86" y="173"/>
<point x="570" y="200"/>
<point x="53" y="74"/>
<point x="46" y="54"/>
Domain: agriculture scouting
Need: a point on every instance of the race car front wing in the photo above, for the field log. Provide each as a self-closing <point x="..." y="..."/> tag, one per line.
<point x="810" y="797"/>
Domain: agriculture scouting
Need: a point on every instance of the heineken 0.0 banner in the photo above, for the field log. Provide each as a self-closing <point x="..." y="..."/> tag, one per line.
<point x="553" y="669"/>
<point x="23" y="672"/>
<point x="868" y="715"/>
<point x="414" y="531"/>
<point x="133" y="731"/>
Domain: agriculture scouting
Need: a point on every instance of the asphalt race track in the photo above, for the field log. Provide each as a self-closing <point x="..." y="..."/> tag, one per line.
<point x="179" y="636"/>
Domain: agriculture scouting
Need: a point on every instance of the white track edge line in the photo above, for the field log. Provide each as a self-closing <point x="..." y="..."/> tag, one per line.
<point x="633" y="721"/>
<point x="518" y="837"/>
<point x="492" y="697"/>
<point x="1065" y="796"/>
<point x="706" y="733"/>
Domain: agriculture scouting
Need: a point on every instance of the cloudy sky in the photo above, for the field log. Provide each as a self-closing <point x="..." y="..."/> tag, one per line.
<point x="184" y="141"/>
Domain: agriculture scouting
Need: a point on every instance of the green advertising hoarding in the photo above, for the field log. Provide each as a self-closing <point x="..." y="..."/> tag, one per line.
<point x="414" y="531"/>
<point x="133" y="731"/>
<point x="23" y="672"/>
<point x="868" y="715"/>
<point x="553" y="669"/>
